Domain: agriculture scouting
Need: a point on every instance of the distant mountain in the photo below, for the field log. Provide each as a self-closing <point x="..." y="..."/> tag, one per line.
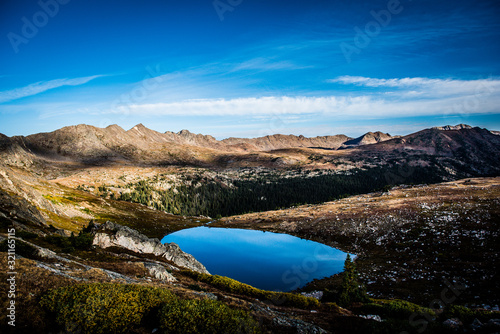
<point x="276" y="142"/>
<point x="447" y="141"/>
<point x="366" y="139"/>
<point x="91" y="144"/>
<point x="471" y="148"/>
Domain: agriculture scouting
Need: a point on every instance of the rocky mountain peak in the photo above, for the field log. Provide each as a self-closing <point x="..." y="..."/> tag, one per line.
<point x="367" y="138"/>
<point x="185" y="133"/>
<point x="453" y="127"/>
<point x="139" y="127"/>
<point x="114" y="127"/>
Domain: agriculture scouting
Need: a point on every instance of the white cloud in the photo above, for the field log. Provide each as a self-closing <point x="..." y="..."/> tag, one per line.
<point x="246" y="106"/>
<point x="42" y="86"/>
<point x="426" y="87"/>
<point x="378" y="106"/>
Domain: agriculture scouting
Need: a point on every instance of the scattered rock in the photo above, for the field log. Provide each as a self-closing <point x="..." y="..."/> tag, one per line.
<point x="476" y="324"/>
<point x="208" y="295"/>
<point x="301" y="327"/>
<point x="453" y="323"/>
<point x="62" y="232"/>
<point x="493" y="324"/>
<point x="45" y="253"/>
<point x="372" y="317"/>
<point x="95" y="274"/>
<point x="159" y="272"/>
<point x="279" y="319"/>
<point x="314" y="294"/>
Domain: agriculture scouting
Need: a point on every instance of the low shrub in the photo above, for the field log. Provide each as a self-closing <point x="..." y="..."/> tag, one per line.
<point x="103" y="308"/>
<point x="204" y="316"/>
<point x="83" y="241"/>
<point x="467" y="315"/>
<point x="395" y="308"/>
<point x="119" y="308"/>
<point x="195" y="287"/>
<point x="26" y="235"/>
<point x="69" y="244"/>
<point x="278" y="298"/>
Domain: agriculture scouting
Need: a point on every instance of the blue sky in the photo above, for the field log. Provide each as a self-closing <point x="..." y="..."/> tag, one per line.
<point x="248" y="67"/>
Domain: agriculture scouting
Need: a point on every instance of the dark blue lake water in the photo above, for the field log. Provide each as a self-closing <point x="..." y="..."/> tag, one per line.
<point x="265" y="260"/>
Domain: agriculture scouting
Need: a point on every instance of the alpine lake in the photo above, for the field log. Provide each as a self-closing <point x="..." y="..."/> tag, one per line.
<point x="265" y="260"/>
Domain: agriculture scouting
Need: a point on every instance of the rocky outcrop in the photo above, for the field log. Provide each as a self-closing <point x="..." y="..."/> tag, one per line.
<point x="453" y="127"/>
<point x="159" y="272"/>
<point x="110" y="234"/>
<point x="17" y="208"/>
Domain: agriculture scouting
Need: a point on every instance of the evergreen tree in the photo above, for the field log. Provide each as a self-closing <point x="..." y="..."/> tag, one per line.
<point x="350" y="290"/>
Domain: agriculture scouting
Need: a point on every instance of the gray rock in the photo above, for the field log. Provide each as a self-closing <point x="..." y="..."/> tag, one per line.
<point x="476" y="324"/>
<point x="208" y="295"/>
<point x="372" y="317"/>
<point x="314" y="294"/>
<point x="17" y="208"/>
<point x="111" y="234"/>
<point x="493" y="324"/>
<point x="453" y="323"/>
<point x="62" y="232"/>
<point x="301" y="327"/>
<point x="45" y="253"/>
<point x="281" y="320"/>
<point x="159" y="272"/>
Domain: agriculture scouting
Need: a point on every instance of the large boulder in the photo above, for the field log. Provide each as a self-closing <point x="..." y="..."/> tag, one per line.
<point x="111" y="234"/>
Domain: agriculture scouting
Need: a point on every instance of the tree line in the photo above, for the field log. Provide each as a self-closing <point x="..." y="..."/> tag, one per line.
<point x="214" y="199"/>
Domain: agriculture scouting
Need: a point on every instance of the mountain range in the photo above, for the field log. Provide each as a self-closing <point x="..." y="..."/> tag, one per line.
<point x="89" y="145"/>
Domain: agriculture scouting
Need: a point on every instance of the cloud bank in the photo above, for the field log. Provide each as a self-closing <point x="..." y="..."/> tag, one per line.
<point x="399" y="97"/>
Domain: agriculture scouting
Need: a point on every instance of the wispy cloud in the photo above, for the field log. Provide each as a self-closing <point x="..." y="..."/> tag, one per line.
<point x="42" y="86"/>
<point x="266" y="64"/>
<point x="426" y="87"/>
<point x="374" y="82"/>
